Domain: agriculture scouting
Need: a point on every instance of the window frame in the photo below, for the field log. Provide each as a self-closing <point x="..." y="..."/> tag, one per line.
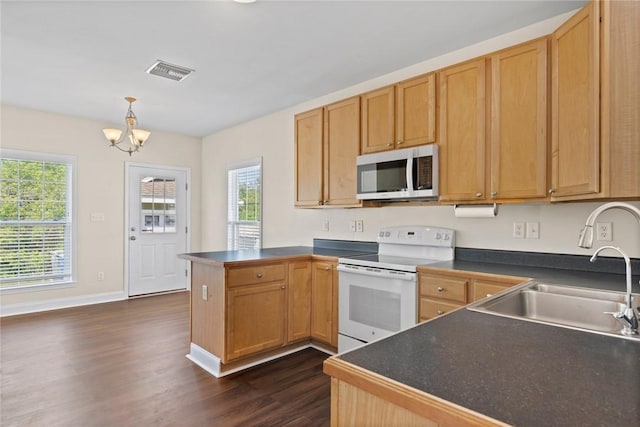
<point x="72" y="198"/>
<point x="242" y="165"/>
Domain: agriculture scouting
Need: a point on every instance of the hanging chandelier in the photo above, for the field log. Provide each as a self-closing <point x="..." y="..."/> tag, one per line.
<point x="135" y="137"/>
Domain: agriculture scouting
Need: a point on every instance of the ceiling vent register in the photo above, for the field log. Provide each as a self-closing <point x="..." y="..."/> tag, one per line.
<point x="169" y="71"/>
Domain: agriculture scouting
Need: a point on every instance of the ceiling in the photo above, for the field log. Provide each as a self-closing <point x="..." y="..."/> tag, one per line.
<point x="83" y="57"/>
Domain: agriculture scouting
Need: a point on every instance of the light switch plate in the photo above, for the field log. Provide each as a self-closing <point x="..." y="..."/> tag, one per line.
<point x="533" y="230"/>
<point x="205" y="290"/>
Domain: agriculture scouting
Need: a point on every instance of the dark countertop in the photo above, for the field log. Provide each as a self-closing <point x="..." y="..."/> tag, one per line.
<point x="514" y="371"/>
<point x="222" y="257"/>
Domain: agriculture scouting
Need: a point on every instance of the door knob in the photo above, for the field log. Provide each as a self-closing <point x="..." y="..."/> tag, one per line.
<point x="132" y="238"/>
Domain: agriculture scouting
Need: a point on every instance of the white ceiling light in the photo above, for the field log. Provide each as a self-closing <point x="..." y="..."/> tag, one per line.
<point x="135" y="137"/>
<point x="244" y="1"/>
<point x="169" y="71"/>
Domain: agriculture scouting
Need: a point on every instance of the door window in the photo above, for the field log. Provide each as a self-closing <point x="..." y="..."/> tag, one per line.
<point x="158" y="204"/>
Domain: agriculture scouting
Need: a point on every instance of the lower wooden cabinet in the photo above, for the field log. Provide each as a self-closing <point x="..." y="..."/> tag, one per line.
<point x="324" y="302"/>
<point x="244" y="309"/>
<point x="255" y="319"/>
<point x="485" y="288"/>
<point x="443" y="291"/>
<point x="299" y="301"/>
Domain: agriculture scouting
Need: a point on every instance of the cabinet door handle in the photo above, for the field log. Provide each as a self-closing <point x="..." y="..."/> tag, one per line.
<point x="478" y="194"/>
<point x="389" y="144"/>
<point x="283" y="287"/>
<point x="440" y="312"/>
<point x="259" y="275"/>
<point x="440" y="289"/>
<point x="494" y="193"/>
<point x="399" y="143"/>
<point x="552" y="190"/>
<point x="327" y="268"/>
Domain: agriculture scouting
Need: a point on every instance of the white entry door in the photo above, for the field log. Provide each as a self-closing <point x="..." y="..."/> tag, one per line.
<point x="157" y="229"/>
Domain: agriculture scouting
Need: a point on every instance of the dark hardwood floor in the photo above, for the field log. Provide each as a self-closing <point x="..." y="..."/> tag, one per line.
<point x="123" y="364"/>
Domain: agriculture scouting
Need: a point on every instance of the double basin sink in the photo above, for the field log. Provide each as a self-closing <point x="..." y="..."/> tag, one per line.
<point x="571" y="307"/>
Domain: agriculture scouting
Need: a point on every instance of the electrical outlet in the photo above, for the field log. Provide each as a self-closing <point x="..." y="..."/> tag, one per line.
<point x="325" y="225"/>
<point x="518" y="230"/>
<point x="100" y="276"/>
<point x="604" y="231"/>
<point x="359" y="226"/>
<point x="533" y="230"/>
<point x="352" y="226"/>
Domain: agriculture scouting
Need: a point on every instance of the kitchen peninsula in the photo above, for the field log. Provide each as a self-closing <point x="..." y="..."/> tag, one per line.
<point x="250" y="306"/>
<point x="464" y="368"/>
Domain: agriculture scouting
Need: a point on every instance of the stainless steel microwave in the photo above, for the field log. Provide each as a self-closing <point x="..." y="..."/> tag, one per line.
<point x="410" y="173"/>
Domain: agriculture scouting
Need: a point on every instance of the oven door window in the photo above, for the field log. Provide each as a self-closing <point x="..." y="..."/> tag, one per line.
<point x="382" y="177"/>
<point x="376" y="308"/>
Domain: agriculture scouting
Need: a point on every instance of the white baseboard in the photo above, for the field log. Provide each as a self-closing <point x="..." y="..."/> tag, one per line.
<point x="211" y="363"/>
<point x="56" y="304"/>
<point x="205" y="360"/>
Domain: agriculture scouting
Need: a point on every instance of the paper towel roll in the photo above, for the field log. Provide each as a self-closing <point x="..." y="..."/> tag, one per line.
<point x="475" y="211"/>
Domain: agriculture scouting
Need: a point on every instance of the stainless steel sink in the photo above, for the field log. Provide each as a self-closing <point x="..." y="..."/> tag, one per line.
<point x="565" y="306"/>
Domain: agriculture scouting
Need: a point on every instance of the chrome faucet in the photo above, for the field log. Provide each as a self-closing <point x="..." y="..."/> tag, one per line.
<point x="585" y="240"/>
<point x="627" y="318"/>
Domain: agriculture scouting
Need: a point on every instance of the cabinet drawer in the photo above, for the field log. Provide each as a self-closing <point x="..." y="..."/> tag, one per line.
<point x="449" y="288"/>
<point x="253" y="275"/>
<point x="431" y="308"/>
<point x="485" y="289"/>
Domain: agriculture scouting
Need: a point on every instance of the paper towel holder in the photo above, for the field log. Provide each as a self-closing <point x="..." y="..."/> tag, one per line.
<point x="475" y="211"/>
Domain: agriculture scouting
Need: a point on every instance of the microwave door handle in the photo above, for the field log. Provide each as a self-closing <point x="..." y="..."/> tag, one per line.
<point x="410" y="172"/>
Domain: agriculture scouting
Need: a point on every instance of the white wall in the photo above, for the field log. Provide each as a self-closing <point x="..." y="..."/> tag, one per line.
<point x="272" y="137"/>
<point x="100" y="176"/>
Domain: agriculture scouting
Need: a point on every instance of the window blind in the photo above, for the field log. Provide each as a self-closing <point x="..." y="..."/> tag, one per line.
<point x="35" y="221"/>
<point x="244" y="206"/>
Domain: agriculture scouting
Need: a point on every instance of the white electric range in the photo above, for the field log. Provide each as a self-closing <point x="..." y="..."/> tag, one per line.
<point x="378" y="293"/>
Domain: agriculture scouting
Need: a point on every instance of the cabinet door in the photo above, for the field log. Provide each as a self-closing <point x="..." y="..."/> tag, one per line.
<point x="576" y="106"/>
<point x="416" y="111"/>
<point x="519" y="122"/>
<point x="299" y="301"/>
<point x="255" y="319"/>
<point x="462" y="131"/>
<point x="378" y="120"/>
<point x="342" y="146"/>
<point x="324" y="308"/>
<point x="308" y="158"/>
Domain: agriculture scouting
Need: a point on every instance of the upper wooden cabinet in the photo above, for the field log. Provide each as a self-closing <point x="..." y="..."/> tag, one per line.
<point x="308" y="131"/>
<point x="463" y="112"/>
<point x="378" y="120"/>
<point x="416" y="111"/>
<point x="341" y="148"/>
<point x="576" y="105"/>
<point x="403" y="115"/>
<point x="519" y="116"/>
<point x="327" y="142"/>
<point x="596" y="103"/>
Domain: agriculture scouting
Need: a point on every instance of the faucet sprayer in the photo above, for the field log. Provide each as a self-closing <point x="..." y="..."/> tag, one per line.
<point x="585" y="240"/>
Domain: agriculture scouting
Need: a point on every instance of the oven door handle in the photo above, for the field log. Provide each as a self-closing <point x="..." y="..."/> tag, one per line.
<point x="376" y="272"/>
